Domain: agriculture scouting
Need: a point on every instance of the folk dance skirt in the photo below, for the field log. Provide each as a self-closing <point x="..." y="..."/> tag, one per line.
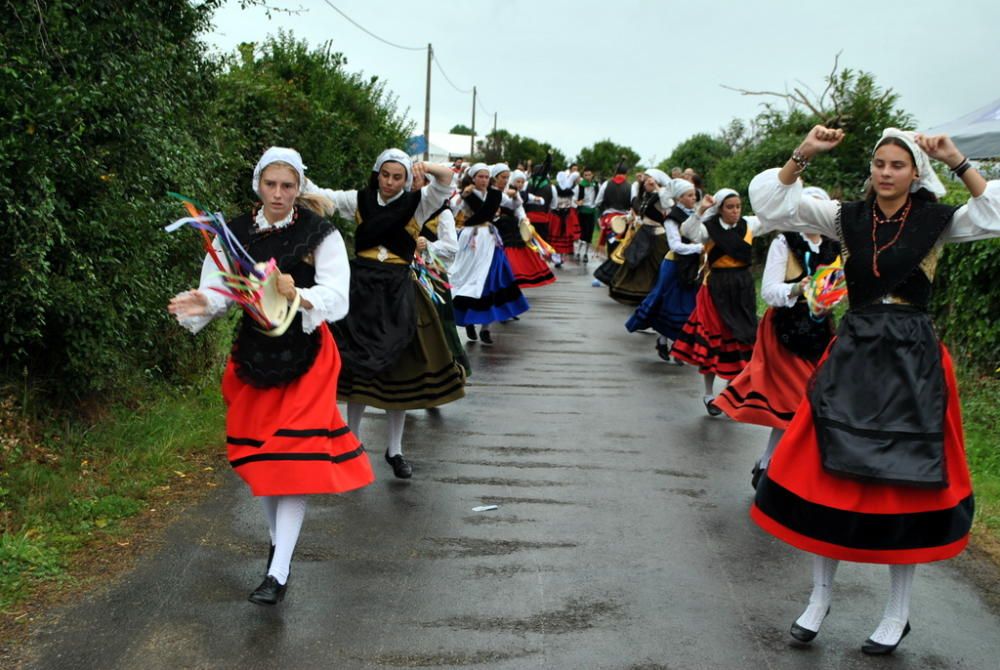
<point x="771" y="386"/>
<point x="667" y="307"/>
<point x="500" y="300"/>
<point x="636" y="277"/>
<point x="291" y="440"/>
<point x="872" y="467"/>
<point x="707" y="342"/>
<point x="530" y="271"/>
<point x="564" y="230"/>
<point x="446" y="312"/>
<point x="396" y="355"/>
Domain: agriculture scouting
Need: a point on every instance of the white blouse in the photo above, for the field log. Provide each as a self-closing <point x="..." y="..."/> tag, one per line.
<point x="783" y="208"/>
<point x="775" y="291"/>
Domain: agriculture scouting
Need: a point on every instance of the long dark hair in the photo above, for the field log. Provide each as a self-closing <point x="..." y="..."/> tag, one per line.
<point x="919" y="194"/>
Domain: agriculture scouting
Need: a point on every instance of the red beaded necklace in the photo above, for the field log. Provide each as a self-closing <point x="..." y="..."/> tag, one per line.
<point x="900" y="218"/>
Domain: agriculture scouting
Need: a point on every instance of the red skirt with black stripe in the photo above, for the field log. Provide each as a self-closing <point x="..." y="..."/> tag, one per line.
<point x="706" y="341"/>
<point x="530" y="271"/>
<point x="799" y="502"/>
<point x="564" y="231"/>
<point x="771" y="387"/>
<point x="291" y="440"/>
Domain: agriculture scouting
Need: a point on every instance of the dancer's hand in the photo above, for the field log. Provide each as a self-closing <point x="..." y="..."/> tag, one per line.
<point x="286" y="286"/>
<point x="419" y="172"/>
<point x="705" y="203"/>
<point x="940" y="147"/>
<point x="820" y="140"/>
<point x="188" y="304"/>
<point x="421" y="243"/>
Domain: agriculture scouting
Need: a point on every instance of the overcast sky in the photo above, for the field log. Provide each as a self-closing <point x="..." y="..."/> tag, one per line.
<point x="643" y="73"/>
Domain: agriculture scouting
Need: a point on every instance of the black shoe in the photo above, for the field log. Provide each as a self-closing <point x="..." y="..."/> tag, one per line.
<point x="586" y="259"/>
<point x="711" y="408"/>
<point x="663" y="351"/>
<point x="485" y="337"/>
<point x="400" y="467"/>
<point x="755" y="475"/>
<point x="803" y="634"/>
<point x="470" y="332"/>
<point x="270" y="592"/>
<point x="873" y="648"/>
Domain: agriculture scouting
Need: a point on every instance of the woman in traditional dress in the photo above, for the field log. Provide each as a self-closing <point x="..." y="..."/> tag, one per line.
<point x="284" y="435"/>
<point x="396" y="355"/>
<point x="482" y="282"/>
<point x="647" y="246"/>
<point x="719" y="335"/>
<point x="529" y="269"/>
<point x="672" y="299"/>
<point x="438" y="241"/>
<point x="872" y="467"/>
<point x="790" y="339"/>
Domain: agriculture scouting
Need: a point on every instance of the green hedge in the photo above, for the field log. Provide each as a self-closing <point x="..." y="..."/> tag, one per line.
<point x="106" y="107"/>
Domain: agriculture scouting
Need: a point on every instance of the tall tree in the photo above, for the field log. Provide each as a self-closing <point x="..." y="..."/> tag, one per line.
<point x="460" y="129"/>
<point x="604" y="156"/>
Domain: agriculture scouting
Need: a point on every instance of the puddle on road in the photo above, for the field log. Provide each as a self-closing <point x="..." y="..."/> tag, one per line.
<point x="681" y="473"/>
<point x="510" y="570"/>
<point x="488" y="518"/>
<point x="527" y="464"/>
<point x="509" y="500"/>
<point x="575" y="616"/>
<point x="468" y="547"/>
<point x="498" y="481"/>
<point x="442" y="659"/>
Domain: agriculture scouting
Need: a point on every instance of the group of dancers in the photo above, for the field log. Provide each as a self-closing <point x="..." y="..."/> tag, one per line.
<point x="865" y="459"/>
<point x="862" y="463"/>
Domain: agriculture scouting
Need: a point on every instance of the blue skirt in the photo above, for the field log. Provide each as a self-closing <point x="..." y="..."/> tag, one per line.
<point x="667" y="307"/>
<point x="501" y="298"/>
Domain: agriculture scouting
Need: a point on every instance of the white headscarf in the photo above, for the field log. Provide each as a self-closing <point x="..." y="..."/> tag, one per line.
<point x="477" y="168"/>
<point x="679" y="187"/>
<point x="719" y="197"/>
<point x="280" y="155"/>
<point x="659" y="176"/>
<point x="498" y="169"/>
<point x="518" y="174"/>
<point x="926" y="177"/>
<point x="396" y="156"/>
<point x="815" y="192"/>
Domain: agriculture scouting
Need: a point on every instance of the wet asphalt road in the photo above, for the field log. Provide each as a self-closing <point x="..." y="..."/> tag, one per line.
<point x="621" y="541"/>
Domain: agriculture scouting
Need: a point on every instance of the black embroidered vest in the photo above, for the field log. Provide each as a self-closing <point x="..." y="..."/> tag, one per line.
<point x="899" y="264"/>
<point x="264" y="361"/>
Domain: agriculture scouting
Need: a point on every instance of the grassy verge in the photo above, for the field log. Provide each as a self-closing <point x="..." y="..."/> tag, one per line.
<point x="981" y="416"/>
<point x="67" y="487"/>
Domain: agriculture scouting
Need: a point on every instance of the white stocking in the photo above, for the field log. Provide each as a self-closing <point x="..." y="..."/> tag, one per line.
<point x="897" y="609"/>
<point x="772" y="442"/>
<point x="709" y="380"/>
<point x="824" y="570"/>
<point x="291" y="511"/>
<point x="396" y="420"/>
<point x="270" y="505"/>
<point x="355" y="411"/>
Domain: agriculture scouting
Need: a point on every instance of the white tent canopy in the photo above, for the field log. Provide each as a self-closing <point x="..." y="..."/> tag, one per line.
<point x="444" y="147"/>
<point x="976" y="134"/>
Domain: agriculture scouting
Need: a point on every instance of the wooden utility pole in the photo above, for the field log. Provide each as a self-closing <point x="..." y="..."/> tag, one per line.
<point x="472" y="142"/>
<point x="427" y="106"/>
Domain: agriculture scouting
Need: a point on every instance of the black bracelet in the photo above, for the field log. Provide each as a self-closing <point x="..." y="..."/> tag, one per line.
<point x="961" y="168"/>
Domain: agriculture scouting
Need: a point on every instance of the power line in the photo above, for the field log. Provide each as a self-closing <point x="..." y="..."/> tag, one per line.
<point x="447" y="78"/>
<point x="361" y="27"/>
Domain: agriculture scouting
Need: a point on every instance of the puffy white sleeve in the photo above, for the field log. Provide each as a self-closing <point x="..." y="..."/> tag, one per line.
<point x="694" y="229"/>
<point x="677" y="245"/>
<point x="330" y="297"/>
<point x="978" y="219"/>
<point x="666" y="201"/>
<point x="773" y="288"/>
<point x="431" y="197"/>
<point x="446" y="245"/>
<point x="600" y="195"/>
<point x="217" y="304"/>
<point x="346" y="202"/>
<point x="782" y="207"/>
